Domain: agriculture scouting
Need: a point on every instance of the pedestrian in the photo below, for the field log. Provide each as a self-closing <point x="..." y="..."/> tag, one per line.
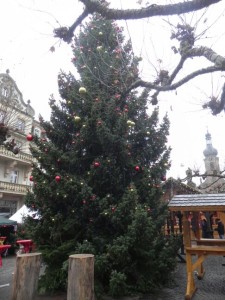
<point x="204" y="227"/>
<point x="220" y="228"/>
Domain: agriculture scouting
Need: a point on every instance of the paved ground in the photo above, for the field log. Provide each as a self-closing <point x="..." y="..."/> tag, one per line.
<point x="212" y="287"/>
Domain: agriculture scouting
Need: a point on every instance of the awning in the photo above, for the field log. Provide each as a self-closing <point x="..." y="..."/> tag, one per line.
<point x="22" y="213"/>
<point x="6" y="222"/>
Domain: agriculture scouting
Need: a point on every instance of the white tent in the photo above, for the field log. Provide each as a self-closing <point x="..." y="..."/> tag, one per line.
<point x="21" y="213"/>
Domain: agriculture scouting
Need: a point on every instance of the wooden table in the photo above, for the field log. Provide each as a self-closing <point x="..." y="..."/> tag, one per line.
<point x="3" y="248"/>
<point x="202" y="252"/>
<point x="26" y="245"/>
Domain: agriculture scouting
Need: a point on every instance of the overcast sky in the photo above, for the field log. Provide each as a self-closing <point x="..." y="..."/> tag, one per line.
<point x="26" y="30"/>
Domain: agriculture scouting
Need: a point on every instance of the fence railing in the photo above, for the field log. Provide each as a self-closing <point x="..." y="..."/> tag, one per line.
<point x="20" y="156"/>
<point x="14" y="187"/>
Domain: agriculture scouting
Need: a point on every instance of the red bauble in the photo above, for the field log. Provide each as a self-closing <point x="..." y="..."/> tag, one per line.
<point x="137" y="168"/>
<point x="57" y="178"/>
<point x="30" y="137"/>
<point x="163" y="178"/>
<point x="97" y="164"/>
<point x="31" y="178"/>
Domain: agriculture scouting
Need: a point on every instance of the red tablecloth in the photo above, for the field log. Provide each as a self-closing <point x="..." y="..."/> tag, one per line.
<point x="2" y="250"/>
<point x="27" y="244"/>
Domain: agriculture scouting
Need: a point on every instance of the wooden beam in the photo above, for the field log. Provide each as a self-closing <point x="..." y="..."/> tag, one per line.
<point x="197" y="208"/>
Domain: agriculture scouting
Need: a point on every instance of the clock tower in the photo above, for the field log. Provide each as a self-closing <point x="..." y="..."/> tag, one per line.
<point x="212" y="183"/>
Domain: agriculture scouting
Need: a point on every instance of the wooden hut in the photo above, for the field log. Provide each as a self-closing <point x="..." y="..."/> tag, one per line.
<point x="197" y="204"/>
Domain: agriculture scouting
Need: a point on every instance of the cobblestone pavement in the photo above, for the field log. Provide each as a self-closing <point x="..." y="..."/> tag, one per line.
<point x="211" y="287"/>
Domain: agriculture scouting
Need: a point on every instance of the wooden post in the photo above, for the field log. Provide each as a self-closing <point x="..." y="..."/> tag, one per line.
<point x="186" y="227"/>
<point x="26" y="276"/>
<point x="81" y="277"/>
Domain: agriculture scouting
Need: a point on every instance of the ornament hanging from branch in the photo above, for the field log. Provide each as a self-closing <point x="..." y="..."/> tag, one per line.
<point x="96" y="164"/>
<point x="57" y="178"/>
<point x="30" y="137"/>
<point x="77" y="119"/>
<point x="82" y="90"/>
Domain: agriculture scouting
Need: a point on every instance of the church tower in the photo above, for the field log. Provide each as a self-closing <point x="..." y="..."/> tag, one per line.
<point x="211" y="184"/>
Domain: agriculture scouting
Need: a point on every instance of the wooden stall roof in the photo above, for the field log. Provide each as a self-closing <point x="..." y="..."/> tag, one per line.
<point x="198" y="202"/>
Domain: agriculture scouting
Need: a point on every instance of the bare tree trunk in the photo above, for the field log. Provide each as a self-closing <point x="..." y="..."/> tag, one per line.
<point x="26" y="276"/>
<point x="81" y="277"/>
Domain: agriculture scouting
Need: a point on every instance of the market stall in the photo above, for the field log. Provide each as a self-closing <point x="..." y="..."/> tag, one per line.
<point x="211" y="204"/>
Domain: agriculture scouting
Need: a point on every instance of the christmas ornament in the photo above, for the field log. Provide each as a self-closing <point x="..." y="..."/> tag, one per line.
<point x="82" y="90"/>
<point x="30" y="137"/>
<point x="163" y="178"/>
<point x="31" y="178"/>
<point x="77" y="119"/>
<point x="100" y="33"/>
<point x="99" y="48"/>
<point x="137" y="168"/>
<point x="57" y="178"/>
<point x="130" y="123"/>
<point x="96" y="164"/>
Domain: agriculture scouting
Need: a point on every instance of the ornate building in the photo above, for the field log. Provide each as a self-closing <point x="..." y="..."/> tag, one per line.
<point x="211" y="183"/>
<point x="16" y="123"/>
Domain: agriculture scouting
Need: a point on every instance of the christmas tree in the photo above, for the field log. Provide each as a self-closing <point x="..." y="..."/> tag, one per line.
<point x="97" y="180"/>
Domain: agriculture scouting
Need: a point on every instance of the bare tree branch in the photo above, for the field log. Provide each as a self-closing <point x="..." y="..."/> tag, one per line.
<point x="142" y="83"/>
<point x="177" y="69"/>
<point x="96" y="6"/>
<point x="208" y="53"/>
<point x="215" y="105"/>
<point x="184" y="33"/>
<point x="66" y="34"/>
<point x="149" y="11"/>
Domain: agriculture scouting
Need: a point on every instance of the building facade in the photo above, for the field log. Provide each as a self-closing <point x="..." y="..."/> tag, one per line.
<point x="16" y="122"/>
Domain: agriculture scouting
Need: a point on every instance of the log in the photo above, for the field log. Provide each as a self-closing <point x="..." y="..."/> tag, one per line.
<point x="26" y="275"/>
<point x="81" y="277"/>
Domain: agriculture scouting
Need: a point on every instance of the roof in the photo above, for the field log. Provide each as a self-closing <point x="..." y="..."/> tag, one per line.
<point x="198" y="202"/>
<point x="22" y="213"/>
<point x="6" y="222"/>
<point x="171" y="182"/>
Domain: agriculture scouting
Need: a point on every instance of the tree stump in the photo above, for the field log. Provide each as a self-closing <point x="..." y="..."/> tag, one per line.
<point x="81" y="277"/>
<point x="26" y="276"/>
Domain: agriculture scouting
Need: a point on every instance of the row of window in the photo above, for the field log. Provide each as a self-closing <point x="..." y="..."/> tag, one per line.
<point x="19" y="124"/>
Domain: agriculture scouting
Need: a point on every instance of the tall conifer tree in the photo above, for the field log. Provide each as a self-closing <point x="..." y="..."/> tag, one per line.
<point x="96" y="183"/>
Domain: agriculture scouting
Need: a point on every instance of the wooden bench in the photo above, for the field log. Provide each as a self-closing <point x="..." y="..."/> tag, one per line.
<point x="201" y="251"/>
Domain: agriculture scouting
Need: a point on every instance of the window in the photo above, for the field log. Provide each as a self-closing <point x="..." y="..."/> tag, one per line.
<point x="18" y="144"/>
<point x="14" y="176"/>
<point x="37" y="132"/>
<point x="20" y="125"/>
<point x="2" y="116"/>
<point x="211" y="166"/>
<point x="5" y="92"/>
